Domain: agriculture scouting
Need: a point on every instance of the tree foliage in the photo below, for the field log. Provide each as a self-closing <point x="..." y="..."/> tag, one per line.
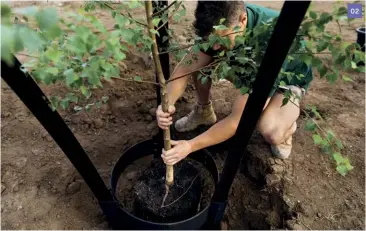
<point x="80" y="52"/>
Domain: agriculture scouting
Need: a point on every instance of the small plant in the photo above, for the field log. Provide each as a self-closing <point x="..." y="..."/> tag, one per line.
<point x="83" y="54"/>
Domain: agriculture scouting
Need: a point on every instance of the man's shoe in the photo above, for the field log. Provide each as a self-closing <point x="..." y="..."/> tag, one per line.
<point x="200" y="115"/>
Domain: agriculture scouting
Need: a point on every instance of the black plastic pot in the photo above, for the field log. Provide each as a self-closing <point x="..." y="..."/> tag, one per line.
<point x="361" y="37"/>
<point x="149" y="148"/>
<point x="361" y="41"/>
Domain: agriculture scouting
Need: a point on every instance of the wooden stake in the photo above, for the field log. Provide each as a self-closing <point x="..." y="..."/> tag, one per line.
<point x="169" y="178"/>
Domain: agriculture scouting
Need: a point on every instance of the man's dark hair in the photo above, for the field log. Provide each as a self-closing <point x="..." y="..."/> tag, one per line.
<point x="209" y="13"/>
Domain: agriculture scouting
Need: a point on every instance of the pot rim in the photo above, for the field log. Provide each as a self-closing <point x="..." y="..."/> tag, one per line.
<point x="361" y="30"/>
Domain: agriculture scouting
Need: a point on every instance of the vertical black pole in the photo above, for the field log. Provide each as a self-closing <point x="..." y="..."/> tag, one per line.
<point x="163" y="45"/>
<point x="284" y="33"/>
<point x="32" y="96"/>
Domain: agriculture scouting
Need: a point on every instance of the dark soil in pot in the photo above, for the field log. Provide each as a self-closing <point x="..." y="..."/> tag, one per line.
<point x="142" y="187"/>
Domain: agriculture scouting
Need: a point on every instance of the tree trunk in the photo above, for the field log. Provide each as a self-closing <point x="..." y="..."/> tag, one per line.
<point x="169" y="178"/>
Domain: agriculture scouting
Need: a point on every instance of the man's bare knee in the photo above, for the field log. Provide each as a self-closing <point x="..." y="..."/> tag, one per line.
<point x="274" y="136"/>
<point x="271" y="132"/>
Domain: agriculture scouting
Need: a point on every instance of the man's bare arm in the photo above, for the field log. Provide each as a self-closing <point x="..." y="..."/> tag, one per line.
<point x="222" y="130"/>
<point x="190" y="63"/>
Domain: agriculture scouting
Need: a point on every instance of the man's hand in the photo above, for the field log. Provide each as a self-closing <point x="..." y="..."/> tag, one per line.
<point x="181" y="150"/>
<point x="165" y="119"/>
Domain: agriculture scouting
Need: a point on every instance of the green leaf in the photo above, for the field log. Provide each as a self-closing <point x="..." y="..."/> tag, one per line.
<point x="52" y="32"/>
<point x="307" y="59"/>
<point x="330" y="135"/>
<point x="137" y="78"/>
<point x="54" y="102"/>
<point x="134" y="4"/>
<point x="342" y="170"/>
<point x="33" y="41"/>
<point x="94" y="80"/>
<point x="338" y="158"/>
<point x="82" y="33"/>
<point x="204" y="79"/>
<point x="331" y="77"/>
<point x="119" y="56"/>
<point x="220" y="27"/>
<point x="313" y="15"/>
<point x="222" y="21"/>
<point x="322" y="45"/>
<point x="282" y="83"/>
<point x="310" y="125"/>
<point x="346" y="78"/>
<point x="105" y="99"/>
<point x="196" y="48"/>
<point x="354" y="65"/>
<point x="156" y="21"/>
<point x="322" y="70"/>
<point x="154" y="32"/>
<point x="285" y="101"/>
<point x="28" y="11"/>
<point x="7" y="43"/>
<point x="205" y="46"/>
<point x="46" y="18"/>
<point x="244" y="90"/>
<point x="324" y="18"/>
<point x="339" y="144"/>
<point x="316" y="62"/>
<point x="121" y="20"/>
<point x="71" y="97"/>
<point x="317" y="139"/>
<point x="239" y="40"/>
<point x="71" y="77"/>
<point x="51" y="70"/>
<point x="64" y="104"/>
<point x="85" y="91"/>
<point x="53" y="54"/>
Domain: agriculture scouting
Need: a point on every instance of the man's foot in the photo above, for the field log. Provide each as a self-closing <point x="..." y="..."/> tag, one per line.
<point x="200" y="115"/>
<point x="283" y="151"/>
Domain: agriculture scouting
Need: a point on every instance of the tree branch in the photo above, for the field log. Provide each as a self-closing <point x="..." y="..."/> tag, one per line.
<point x="36" y="57"/>
<point x="191" y="45"/>
<point x="138" y="81"/>
<point x="129" y="15"/>
<point x="162" y="10"/>
<point x="181" y="76"/>
<point x="314" y="121"/>
<point x="315" y="53"/>
<point x="171" y="16"/>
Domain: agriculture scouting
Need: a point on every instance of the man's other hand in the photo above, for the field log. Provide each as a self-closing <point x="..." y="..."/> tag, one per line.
<point x="181" y="150"/>
<point x="165" y="119"/>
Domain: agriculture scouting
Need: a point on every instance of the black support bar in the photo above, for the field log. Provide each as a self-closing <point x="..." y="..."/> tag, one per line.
<point x="32" y="96"/>
<point x="163" y="44"/>
<point x="284" y="33"/>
